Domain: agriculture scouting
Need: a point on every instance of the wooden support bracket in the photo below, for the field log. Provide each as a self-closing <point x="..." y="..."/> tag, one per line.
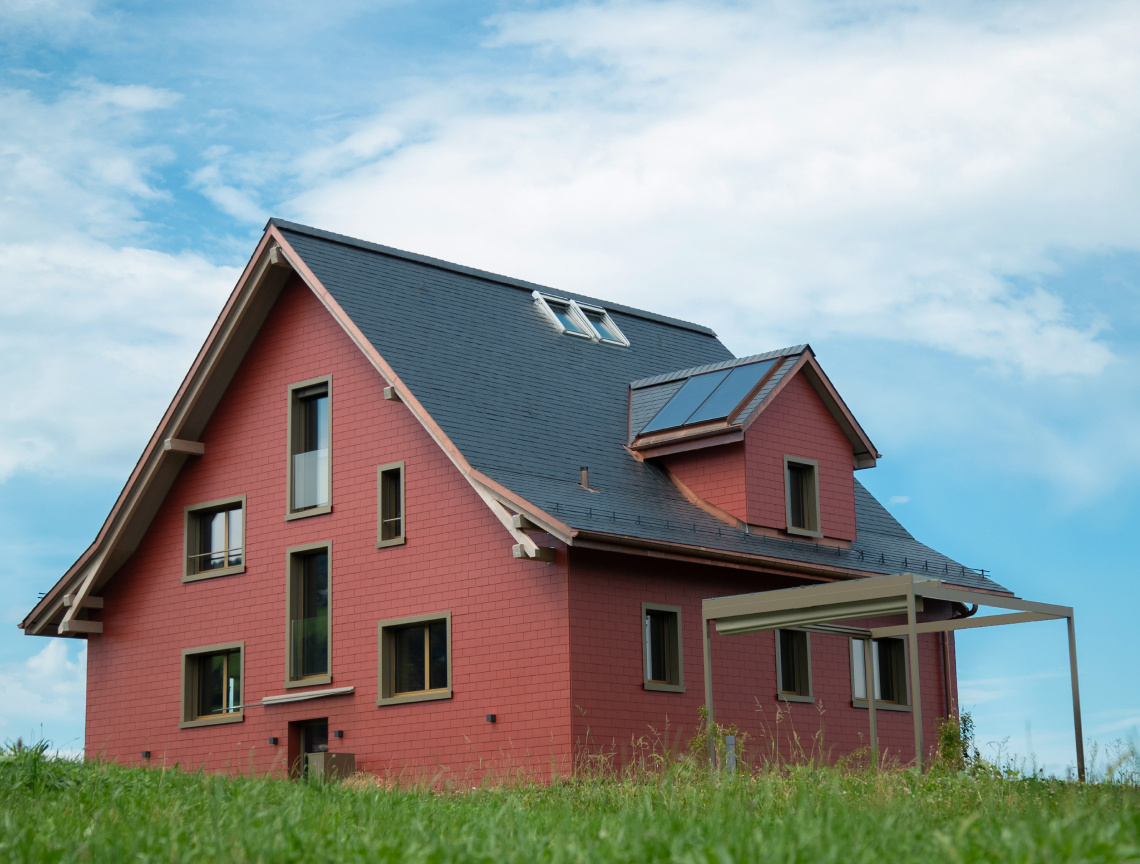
<point x="524" y="524"/>
<point x="87" y="602"/>
<point x="80" y="626"/>
<point x="181" y="445"/>
<point x="541" y="553"/>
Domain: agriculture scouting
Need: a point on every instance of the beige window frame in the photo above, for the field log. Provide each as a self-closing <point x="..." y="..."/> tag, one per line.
<point x="191" y="535"/>
<point x="811" y="505"/>
<point x="784" y="693"/>
<point x="385" y="535"/>
<point x="674" y="646"/>
<point x="187" y="711"/>
<point x="386" y="660"/>
<point x="293" y="432"/>
<point x="902" y="677"/>
<point x="293" y="556"/>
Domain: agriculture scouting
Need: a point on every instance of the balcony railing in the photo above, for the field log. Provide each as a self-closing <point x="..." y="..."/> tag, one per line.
<point x="310" y="479"/>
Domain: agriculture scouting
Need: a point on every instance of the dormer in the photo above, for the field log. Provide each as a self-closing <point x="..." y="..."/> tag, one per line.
<point x="762" y="441"/>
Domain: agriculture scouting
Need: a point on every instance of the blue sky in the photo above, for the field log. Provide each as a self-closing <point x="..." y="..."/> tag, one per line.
<point x="940" y="197"/>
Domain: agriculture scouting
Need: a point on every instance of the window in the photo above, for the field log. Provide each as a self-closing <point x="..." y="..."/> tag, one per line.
<point x="309" y="433"/>
<point x="307" y="611"/>
<point x="390" y="505"/>
<point x="793" y="665"/>
<point x="661" y="648"/>
<point x="215" y="539"/>
<point x="801" y="483"/>
<point x="211" y="685"/>
<point x="890" y="670"/>
<point x="415" y="659"/>
<point x="591" y="322"/>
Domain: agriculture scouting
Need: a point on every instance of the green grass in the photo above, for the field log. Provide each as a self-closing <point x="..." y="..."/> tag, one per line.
<point x="55" y="810"/>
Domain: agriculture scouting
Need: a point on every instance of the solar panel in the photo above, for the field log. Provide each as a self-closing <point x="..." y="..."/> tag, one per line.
<point x="686" y="400"/>
<point x="731" y="392"/>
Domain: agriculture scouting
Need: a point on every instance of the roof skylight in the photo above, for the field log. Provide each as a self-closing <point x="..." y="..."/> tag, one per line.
<point x="592" y="322"/>
<point x="709" y="396"/>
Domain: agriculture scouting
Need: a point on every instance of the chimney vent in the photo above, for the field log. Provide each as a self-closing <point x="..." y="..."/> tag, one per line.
<point x="585" y="477"/>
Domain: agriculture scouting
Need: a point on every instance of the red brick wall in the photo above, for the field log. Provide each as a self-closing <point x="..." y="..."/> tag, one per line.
<point x="510" y="635"/>
<point x="612" y="711"/>
<point x="715" y="474"/>
<point x="797" y="423"/>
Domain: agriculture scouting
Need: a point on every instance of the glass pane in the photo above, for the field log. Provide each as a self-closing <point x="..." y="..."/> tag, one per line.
<point x="437" y="655"/>
<point x="686" y="400"/>
<point x="858" y="669"/>
<point x="235" y="519"/>
<point x="409" y="648"/>
<point x="562" y="313"/>
<point x="797" y="494"/>
<point x="311" y="627"/>
<point x="211" y="684"/>
<point x="310" y="479"/>
<point x="211" y="541"/>
<point x="655" y="642"/>
<point x="315" y="423"/>
<point x="599" y="322"/>
<point x="875" y="652"/>
<point x="233" y="681"/>
<point x="391" y="523"/>
<point x="887" y="673"/>
<point x="788" y="683"/>
<point x="731" y="392"/>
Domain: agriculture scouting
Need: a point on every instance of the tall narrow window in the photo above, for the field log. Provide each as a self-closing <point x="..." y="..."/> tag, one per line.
<point x="390" y="504"/>
<point x="793" y="665"/>
<point x="215" y="539"/>
<point x="661" y="648"/>
<point x="889" y="668"/>
<point x="309" y="448"/>
<point x="415" y="659"/>
<point x="211" y="685"/>
<point x="308" y="610"/>
<point x="801" y="483"/>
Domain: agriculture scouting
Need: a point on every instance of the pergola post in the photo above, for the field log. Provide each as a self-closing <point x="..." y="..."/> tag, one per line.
<point x="705" y="633"/>
<point x="916" y="695"/>
<point x="1076" y="699"/>
<point x="869" y="676"/>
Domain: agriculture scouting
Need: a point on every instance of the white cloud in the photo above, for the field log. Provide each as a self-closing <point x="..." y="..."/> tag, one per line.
<point x="899" y="499"/>
<point x="48" y="688"/>
<point x="906" y="178"/>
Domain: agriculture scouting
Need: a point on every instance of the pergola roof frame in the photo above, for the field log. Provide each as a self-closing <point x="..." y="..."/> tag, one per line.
<point x="817" y="607"/>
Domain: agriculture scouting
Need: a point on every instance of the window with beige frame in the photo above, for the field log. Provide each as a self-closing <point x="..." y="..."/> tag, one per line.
<point x="212" y="685"/>
<point x="793" y="666"/>
<point x="662" y="657"/>
<point x="414" y="658"/>
<point x="890" y="670"/>
<point x="215" y="539"/>
<point x="308" y="599"/>
<point x="801" y="495"/>
<point x="310" y="433"/>
<point x="390" y="505"/>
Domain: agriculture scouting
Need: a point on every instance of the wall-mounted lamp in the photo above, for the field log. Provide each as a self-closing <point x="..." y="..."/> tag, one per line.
<point x="492" y="718"/>
<point x="339" y="733"/>
<point x="273" y="741"/>
<point x="146" y="754"/>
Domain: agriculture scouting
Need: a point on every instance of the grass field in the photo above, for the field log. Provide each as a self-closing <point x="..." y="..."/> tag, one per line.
<point x="57" y="810"/>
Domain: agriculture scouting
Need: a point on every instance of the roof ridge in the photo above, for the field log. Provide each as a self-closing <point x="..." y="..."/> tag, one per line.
<point x="666" y="377"/>
<point x="487" y="275"/>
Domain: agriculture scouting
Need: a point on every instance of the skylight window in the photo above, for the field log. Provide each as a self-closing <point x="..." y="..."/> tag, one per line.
<point x="591" y="322"/>
<point x="710" y="396"/>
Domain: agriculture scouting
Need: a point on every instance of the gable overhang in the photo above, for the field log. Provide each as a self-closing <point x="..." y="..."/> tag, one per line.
<point x="63" y="609"/>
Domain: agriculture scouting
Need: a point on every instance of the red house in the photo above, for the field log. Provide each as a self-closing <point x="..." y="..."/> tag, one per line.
<point x="457" y="524"/>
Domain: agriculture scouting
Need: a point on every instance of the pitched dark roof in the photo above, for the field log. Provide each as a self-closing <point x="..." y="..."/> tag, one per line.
<point x="528" y="406"/>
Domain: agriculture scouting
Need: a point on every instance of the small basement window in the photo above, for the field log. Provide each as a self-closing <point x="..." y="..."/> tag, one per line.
<point x="793" y="665"/>
<point x="414" y="658"/>
<point x="211" y="685"/>
<point x="661" y="644"/>
<point x="215" y="539"/>
<point x="801" y="485"/>
<point x="890" y="671"/>
<point x="390" y="505"/>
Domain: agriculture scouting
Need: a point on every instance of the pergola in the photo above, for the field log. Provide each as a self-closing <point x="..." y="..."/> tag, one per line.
<point x="817" y="608"/>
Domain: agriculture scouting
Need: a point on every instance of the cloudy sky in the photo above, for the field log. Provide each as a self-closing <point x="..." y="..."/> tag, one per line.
<point x="942" y="198"/>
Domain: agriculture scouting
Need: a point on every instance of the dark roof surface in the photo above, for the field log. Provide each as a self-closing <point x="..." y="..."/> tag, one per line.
<point x="528" y="406"/>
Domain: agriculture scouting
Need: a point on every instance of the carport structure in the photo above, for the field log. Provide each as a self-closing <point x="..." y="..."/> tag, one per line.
<point x="817" y="608"/>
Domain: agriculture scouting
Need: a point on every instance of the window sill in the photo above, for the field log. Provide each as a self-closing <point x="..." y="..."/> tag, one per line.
<point x="796" y="697"/>
<point x="803" y="532"/>
<point x="396" y="541"/>
<point x="214" y="574"/>
<point x="663" y="688"/>
<point x="304" y="514"/>
<point x="237" y="717"/>
<point x="311" y="681"/>
<point x="881" y="706"/>
<point x="414" y="697"/>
